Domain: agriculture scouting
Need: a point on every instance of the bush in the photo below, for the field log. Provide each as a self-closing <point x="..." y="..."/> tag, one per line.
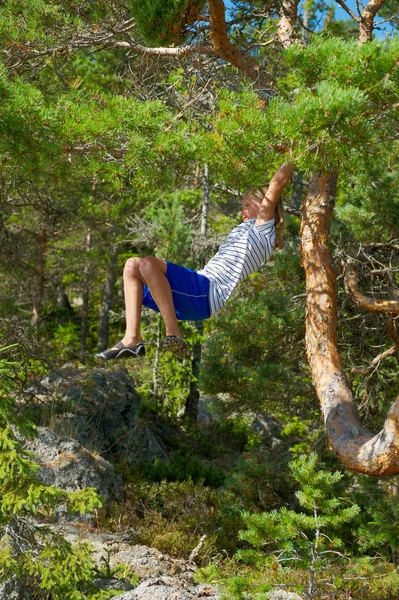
<point x="181" y="467"/>
<point x="173" y="516"/>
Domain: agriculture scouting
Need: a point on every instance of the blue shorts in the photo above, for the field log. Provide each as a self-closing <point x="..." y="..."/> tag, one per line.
<point x="190" y="292"/>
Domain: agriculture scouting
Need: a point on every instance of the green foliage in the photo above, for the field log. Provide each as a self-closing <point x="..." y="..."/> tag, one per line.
<point x="50" y="564"/>
<point x="378" y="529"/>
<point x="247" y="356"/>
<point x="308" y="537"/>
<point x="28" y="128"/>
<point x="338" y="105"/>
<point x="259" y="479"/>
<point x="181" y="467"/>
<point x="172" y="516"/>
<point x="163" y="22"/>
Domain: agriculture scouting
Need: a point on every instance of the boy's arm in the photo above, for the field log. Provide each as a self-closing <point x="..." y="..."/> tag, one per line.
<point x="273" y="193"/>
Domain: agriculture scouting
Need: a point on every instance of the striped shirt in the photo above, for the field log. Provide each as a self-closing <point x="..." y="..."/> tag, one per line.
<point x="246" y="249"/>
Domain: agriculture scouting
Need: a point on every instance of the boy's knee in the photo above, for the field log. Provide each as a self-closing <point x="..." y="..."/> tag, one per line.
<point x="148" y="265"/>
<point x="132" y="267"/>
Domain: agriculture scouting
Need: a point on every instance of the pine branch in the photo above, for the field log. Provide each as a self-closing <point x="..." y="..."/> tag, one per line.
<point x="348" y="10"/>
<point x="366" y="302"/>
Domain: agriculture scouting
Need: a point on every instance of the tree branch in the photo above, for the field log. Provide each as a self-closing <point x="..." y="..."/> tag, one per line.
<point x="226" y="50"/>
<point x="286" y="24"/>
<point x="390" y="352"/>
<point x="371" y="304"/>
<point x="348" y="10"/>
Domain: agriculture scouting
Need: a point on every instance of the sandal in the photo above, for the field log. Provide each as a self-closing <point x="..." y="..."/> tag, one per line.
<point x="175" y="344"/>
<point x="122" y="351"/>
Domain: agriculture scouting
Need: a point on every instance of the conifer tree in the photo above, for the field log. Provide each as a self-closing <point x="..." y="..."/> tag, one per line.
<point x="310" y="537"/>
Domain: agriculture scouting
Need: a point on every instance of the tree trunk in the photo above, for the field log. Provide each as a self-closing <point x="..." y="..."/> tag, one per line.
<point x="356" y="447"/>
<point x="286" y="24"/>
<point x="191" y="407"/>
<point x="107" y="302"/>
<point x="366" y="21"/>
<point x="39" y="278"/>
<point x="85" y="303"/>
<point x="205" y="203"/>
<point x="64" y="309"/>
<point x="155" y="378"/>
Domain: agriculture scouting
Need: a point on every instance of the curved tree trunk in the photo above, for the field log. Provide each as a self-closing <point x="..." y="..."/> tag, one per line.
<point x="356" y="447"/>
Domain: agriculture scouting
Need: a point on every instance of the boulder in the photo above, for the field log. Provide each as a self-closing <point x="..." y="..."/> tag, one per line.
<point x="163" y="577"/>
<point x="268" y="428"/>
<point x="67" y="465"/>
<point x="71" y="467"/>
<point x="170" y="588"/>
<point x="12" y="589"/>
<point x="113" y="584"/>
<point x="100" y="409"/>
<point x="283" y="595"/>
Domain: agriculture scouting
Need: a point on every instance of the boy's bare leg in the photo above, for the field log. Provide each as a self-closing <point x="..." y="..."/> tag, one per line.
<point x="150" y="271"/>
<point x="153" y="272"/>
<point x="133" y="285"/>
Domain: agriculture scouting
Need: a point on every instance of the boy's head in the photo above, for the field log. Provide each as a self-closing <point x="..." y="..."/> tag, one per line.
<point x="251" y="202"/>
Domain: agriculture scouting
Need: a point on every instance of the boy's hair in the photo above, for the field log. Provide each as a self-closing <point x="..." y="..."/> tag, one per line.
<point x="259" y="193"/>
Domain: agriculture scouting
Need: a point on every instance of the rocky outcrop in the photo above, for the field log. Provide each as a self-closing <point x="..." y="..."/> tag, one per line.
<point x="168" y="588"/>
<point x="69" y="466"/>
<point x="99" y="408"/>
<point x="283" y="595"/>
<point x="268" y="428"/>
<point x="14" y="589"/>
<point x="162" y="577"/>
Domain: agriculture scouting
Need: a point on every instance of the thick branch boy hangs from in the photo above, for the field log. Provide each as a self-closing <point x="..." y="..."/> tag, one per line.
<point x="179" y="293"/>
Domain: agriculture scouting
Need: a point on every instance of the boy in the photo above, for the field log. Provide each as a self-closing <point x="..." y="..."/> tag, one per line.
<point x="179" y="293"/>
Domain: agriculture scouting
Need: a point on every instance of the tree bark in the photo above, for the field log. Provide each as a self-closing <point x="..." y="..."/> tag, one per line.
<point x="155" y="368"/>
<point x="40" y="278"/>
<point x="286" y="24"/>
<point x="191" y="406"/>
<point x="229" y="52"/>
<point x="366" y="21"/>
<point x="356" y="447"/>
<point x="85" y="303"/>
<point x="106" y="302"/>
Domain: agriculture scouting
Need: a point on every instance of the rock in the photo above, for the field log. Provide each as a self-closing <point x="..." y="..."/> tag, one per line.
<point x="14" y="590"/>
<point x="205" y="415"/>
<point x="168" y="588"/>
<point x="268" y="429"/>
<point x="113" y="584"/>
<point x="100" y="409"/>
<point x="164" y="577"/>
<point x="120" y="549"/>
<point x="282" y="595"/>
<point x="67" y="465"/>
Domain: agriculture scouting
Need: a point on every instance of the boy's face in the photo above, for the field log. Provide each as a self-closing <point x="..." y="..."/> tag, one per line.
<point x="250" y="206"/>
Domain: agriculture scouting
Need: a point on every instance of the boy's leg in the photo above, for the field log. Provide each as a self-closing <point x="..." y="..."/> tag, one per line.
<point x="153" y="272"/>
<point x="133" y="285"/>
